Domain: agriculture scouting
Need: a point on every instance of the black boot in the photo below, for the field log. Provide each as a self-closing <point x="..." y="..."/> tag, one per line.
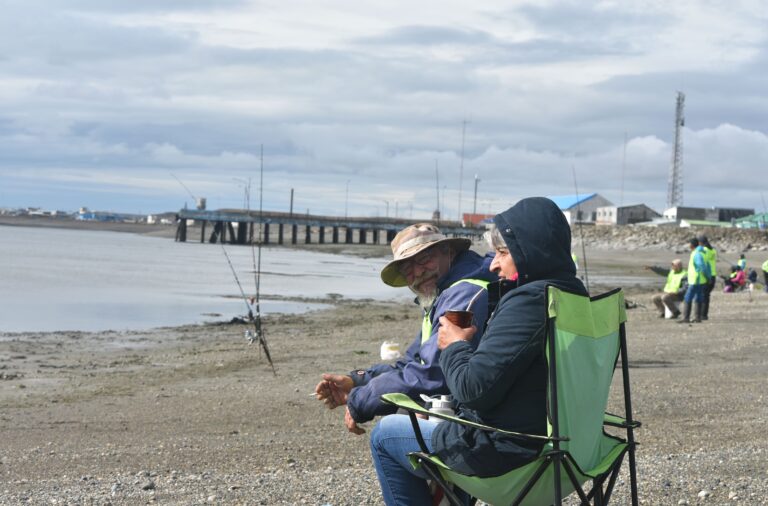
<point x="704" y="311"/>
<point x="697" y="312"/>
<point x="686" y="313"/>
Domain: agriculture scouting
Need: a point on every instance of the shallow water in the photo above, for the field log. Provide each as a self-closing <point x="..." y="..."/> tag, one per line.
<point x="59" y="279"/>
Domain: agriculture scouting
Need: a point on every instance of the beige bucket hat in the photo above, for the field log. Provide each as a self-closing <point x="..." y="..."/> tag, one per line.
<point x="411" y="241"/>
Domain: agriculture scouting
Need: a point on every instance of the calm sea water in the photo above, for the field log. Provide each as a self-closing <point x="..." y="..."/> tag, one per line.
<point x="57" y="279"/>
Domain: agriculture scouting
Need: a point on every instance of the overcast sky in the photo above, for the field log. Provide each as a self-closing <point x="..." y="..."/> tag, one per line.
<point x="357" y="103"/>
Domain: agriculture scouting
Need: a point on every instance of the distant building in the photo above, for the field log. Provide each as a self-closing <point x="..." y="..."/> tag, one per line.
<point x="733" y="213"/>
<point x="581" y="208"/>
<point x="474" y="220"/>
<point x="625" y="215"/>
<point x="680" y="213"/>
<point x="705" y="223"/>
<point x="713" y="214"/>
<point x="752" y="221"/>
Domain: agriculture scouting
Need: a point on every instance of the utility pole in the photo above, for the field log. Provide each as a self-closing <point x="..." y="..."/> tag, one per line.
<point x="346" y="201"/>
<point x="291" y="208"/>
<point x="623" y="170"/>
<point x="461" y="163"/>
<point x="675" y="186"/>
<point x="474" y="205"/>
<point x="437" y="190"/>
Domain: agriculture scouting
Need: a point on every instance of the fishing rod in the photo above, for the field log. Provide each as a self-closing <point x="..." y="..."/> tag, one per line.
<point x="581" y="231"/>
<point x="259" y="334"/>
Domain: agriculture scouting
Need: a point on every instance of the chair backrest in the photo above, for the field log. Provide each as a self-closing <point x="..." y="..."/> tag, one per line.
<point x="586" y="334"/>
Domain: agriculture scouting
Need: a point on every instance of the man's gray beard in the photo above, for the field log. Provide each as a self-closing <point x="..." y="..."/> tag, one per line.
<point x="426" y="301"/>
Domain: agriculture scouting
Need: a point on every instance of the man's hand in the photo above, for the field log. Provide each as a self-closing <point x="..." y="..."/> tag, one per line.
<point x="334" y="389"/>
<point x="449" y="333"/>
<point x="352" y="424"/>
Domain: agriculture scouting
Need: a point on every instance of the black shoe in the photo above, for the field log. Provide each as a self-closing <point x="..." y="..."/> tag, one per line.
<point x="675" y="315"/>
<point x="684" y="320"/>
<point x="661" y="315"/>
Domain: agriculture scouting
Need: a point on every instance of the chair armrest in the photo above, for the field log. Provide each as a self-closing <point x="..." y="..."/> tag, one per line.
<point x="408" y="404"/>
<point x="618" y="421"/>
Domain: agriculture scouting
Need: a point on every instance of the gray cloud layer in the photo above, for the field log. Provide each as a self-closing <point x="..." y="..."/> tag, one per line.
<point x="102" y="101"/>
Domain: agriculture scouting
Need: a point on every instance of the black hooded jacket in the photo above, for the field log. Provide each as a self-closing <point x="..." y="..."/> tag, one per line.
<point x="503" y="382"/>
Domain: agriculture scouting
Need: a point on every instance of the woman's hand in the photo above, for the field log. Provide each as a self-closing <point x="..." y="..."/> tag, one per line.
<point x="449" y="333"/>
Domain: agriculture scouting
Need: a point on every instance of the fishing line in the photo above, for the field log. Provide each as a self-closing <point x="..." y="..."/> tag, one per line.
<point x="581" y="231"/>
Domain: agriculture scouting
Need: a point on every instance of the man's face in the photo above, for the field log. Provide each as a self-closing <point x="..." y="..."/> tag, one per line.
<point x="425" y="269"/>
<point x="677" y="267"/>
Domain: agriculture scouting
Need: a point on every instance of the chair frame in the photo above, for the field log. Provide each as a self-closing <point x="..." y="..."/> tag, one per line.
<point x="600" y="493"/>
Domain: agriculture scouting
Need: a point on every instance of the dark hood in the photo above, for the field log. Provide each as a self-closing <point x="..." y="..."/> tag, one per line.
<point x="539" y="239"/>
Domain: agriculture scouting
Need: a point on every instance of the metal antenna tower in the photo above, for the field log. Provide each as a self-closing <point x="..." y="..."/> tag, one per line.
<point x="675" y="187"/>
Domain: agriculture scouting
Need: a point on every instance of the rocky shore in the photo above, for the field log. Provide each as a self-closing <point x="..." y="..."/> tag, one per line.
<point x="194" y="415"/>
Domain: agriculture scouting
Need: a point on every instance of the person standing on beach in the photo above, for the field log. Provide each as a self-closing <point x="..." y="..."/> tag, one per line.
<point x="765" y="275"/>
<point x="698" y="279"/>
<point x="444" y="274"/>
<point x="674" y="289"/>
<point x="742" y="263"/>
<point x="710" y="257"/>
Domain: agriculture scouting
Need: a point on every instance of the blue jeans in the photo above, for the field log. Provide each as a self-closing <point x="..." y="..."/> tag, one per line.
<point x="391" y="440"/>
<point x="694" y="293"/>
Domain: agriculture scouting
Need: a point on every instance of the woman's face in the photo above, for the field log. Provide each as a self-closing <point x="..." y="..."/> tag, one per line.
<point x="503" y="264"/>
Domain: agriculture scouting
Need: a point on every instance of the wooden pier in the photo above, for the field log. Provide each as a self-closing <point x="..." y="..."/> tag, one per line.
<point x="235" y="226"/>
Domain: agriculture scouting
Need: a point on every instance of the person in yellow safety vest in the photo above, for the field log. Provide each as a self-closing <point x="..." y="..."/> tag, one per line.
<point x="742" y="263"/>
<point x="765" y="275"/>
<point x="674" y="288"/>
<point x="710" y="256"/>
<point x="698" y="279"/>
<point x="444" y="274"/>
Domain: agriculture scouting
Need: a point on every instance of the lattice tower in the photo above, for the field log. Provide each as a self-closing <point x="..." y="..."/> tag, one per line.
<point x="675" y="186"/>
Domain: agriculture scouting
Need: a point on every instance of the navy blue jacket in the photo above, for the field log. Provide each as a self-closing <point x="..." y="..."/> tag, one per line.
<point x="503" y="381"/>
<point x="419" y="370"/>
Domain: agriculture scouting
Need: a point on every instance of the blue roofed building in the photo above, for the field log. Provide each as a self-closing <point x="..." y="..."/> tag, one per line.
<point x="580" y="208"/>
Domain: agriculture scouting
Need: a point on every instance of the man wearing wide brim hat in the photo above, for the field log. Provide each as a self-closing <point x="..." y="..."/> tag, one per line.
<point x="444" y="274"/>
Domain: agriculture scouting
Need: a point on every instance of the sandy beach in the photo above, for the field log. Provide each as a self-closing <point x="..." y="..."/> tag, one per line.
<point x="194" y="414"/>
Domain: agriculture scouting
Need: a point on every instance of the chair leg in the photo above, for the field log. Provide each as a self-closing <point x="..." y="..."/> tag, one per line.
<point x="612" y="480"/>
<point x="434" y="475"/>
<point x="574" y="482"/>
<point x="597" y="485"/>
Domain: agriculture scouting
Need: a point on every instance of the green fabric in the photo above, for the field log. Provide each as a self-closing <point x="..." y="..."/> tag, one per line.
<point x="586" y="348"/>
<point x="426" y="323"/>
<point x="765" y="266"/>
<point x="576" y="314"/>
<point x="674" y="280"/>
<point x="405" y="402"/>
<point x="504" y="489"/>
<point x="710" y="257"/>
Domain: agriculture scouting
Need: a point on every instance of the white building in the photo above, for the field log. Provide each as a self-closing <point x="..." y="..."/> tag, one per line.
<point x="581" y="208"/>
<point x="625" y="215"/>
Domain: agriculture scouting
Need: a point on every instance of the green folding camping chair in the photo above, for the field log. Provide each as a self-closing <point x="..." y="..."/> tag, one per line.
<point x="585" y="338"/>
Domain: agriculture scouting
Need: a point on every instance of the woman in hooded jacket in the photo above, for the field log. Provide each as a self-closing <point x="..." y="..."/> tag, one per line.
<point x="501" y="383"/>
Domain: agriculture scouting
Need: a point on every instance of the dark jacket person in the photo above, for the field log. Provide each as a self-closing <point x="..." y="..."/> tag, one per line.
<point x="503" y="382"/>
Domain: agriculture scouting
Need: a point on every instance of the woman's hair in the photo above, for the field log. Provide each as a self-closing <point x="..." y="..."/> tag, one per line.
<point x="494" y="239"/>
